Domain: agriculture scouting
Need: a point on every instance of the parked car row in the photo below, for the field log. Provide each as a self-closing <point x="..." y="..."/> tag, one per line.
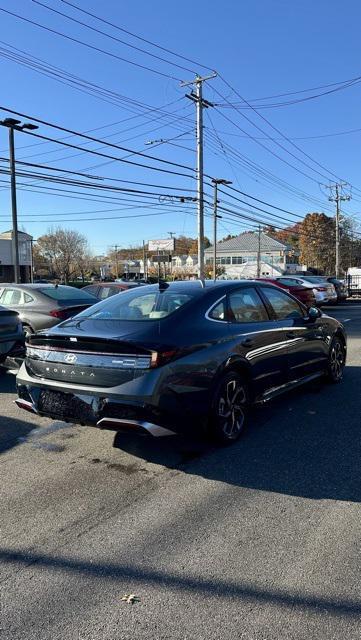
<point x="166" y="358"/>
<point x="318" y="289"/>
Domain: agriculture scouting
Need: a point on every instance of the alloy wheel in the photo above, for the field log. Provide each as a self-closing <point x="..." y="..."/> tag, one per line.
<point x="232" y="403"/>
<point x="337" y="360"/>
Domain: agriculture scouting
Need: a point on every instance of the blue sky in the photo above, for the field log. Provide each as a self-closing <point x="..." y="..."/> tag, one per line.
<point x="261" y="48"/>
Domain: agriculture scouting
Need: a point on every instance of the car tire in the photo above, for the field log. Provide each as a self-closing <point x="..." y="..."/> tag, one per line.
<point x="230" y="408"/>
<point x="336" y="361"/>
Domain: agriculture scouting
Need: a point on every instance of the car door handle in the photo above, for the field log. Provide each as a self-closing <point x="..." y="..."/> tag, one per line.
<point x="247" y="342"/>
<point x="290" y="334"/>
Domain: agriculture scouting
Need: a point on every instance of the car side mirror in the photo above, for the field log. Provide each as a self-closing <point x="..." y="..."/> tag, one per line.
<point x="313" y="313"/>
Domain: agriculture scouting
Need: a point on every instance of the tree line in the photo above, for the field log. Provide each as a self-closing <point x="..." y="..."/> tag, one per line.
<point x="65" y="254"/>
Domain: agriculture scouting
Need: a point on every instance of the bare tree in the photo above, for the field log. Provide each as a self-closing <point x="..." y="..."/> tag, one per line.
<point x="64" y="250"/>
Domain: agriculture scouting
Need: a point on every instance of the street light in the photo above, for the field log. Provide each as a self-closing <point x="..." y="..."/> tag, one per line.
<point x="216" y="182"/>
<point x="13" y="124"/>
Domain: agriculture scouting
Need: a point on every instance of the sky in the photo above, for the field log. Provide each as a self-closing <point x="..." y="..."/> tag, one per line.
<point x="282" y="150"/>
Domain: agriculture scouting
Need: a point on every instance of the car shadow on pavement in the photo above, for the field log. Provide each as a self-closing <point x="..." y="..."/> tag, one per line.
<point x="12" y="430"/>
<point x="7" y="381"/>
<point x="306" y="443"/>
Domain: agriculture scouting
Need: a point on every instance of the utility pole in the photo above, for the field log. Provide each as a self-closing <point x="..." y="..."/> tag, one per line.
<point x="200" y="102"/>
<point x="216" y="182"/>
<point x="337" y="198"/>
<point x="32" y="260"/>
<point x="116" y="261"/>
<point x="12" y="124"/>
<point x="144" y="267"/>
<point x="259" y="253"/>
<point x="171" y="233"/>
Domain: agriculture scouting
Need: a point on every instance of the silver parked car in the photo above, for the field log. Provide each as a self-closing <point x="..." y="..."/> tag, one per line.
<point x="321" y="281"/>
<point x="41" y="306"/>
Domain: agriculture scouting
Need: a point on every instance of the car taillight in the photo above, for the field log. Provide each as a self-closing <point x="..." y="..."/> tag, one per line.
<point x="159" y="358"/>
<point x="321" y="289"/>
<point x="62" y="314"/>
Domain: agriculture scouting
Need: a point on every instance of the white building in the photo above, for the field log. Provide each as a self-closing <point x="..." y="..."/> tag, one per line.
<point x="238" y="256"/>
<point x="6" y="257"/>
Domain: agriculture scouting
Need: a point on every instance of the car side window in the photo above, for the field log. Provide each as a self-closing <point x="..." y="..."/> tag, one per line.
<point x="11" y="297"/>
<point x="283" y="306"/>
<point x="93" y="289"/>
<point x="288" y="282"/>
<point x="245" y="305"/>
<point x="104" y="293"/>
<point x="219" y="311"/>
<point x="114" y="290"/>
<point x="28" y="298"/>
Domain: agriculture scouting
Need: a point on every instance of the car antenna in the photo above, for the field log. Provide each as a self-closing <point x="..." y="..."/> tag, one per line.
<point x="201" y="280"/>
<point x="163" y="285"/>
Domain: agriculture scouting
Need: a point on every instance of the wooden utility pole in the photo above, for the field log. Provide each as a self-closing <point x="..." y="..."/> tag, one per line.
<point x="216" y="182"/>
<point x="337" y="198"/>
<point x="259" y="253"/>
<point x="200" y="103"/>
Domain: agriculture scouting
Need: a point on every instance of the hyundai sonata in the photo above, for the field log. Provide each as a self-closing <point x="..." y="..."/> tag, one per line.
<point x="180" y="356"/>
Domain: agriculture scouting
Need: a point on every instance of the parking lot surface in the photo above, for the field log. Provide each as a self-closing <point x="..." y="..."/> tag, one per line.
<point x="260" y="540"/>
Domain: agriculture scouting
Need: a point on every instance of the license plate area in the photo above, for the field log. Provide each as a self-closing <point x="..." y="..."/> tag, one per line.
<point x="67" y="406"/>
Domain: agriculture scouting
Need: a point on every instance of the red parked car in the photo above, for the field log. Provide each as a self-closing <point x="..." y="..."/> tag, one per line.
<point x="303" y="294"/>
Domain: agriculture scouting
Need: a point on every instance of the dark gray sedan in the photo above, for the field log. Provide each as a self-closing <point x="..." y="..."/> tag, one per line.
<point x="41" y="306"/>
<point x="168" y="358"/>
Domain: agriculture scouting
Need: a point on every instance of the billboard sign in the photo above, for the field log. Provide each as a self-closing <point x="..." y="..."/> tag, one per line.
<point x="162" y="259"/>
<point x="166" y="244"/>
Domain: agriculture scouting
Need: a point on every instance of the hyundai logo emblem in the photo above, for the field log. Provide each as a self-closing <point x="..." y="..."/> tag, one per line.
<point x="71" y="358"/>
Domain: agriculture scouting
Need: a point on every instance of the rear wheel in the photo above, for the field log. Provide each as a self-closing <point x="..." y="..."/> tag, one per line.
<point x="230" y="408"/>
<point x="336" y="361"/>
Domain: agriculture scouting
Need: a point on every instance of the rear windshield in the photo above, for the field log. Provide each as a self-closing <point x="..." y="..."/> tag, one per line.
<point x="66" y="293"/>
<point x="136" y="305"/>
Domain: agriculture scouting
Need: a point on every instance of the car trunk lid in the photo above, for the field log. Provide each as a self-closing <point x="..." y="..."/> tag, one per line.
<point x="78" y="352"/>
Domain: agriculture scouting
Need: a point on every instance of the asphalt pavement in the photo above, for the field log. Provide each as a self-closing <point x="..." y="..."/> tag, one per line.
<point x="257" y="541"/>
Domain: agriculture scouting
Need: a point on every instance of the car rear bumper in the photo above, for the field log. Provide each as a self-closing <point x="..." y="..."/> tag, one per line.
<point x="114" y="416"/>
<point x="156" y="414"/>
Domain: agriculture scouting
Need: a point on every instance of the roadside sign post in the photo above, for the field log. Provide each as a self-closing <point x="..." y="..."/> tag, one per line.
<point x="162" y="245"/>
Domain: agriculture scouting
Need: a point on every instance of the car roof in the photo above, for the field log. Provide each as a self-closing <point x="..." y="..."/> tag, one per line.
<point x="35" y="285"/>
<point x="204" y="286"/>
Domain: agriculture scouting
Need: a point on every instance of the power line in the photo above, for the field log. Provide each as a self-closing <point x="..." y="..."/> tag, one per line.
<point x="153" y="44"/>
<point x="144" y="184"/>
<point x="268" y="204"/>
<point x="288" y="103"/>
<point x="273" y="153"/>
<point x="90" y="185"/>
<point x="281" y="134"/>
<point x="89" y="46"/>
<point x="293" y="93"/>
<point x="323" y="135"/>
<point x="107" y="35"/>
<point x="92" y="139"/>
<point x="265" y="174"/>
<point x="111" y="135"/>
<point x="104" y="155"/>
<point x="65" y="77"/>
